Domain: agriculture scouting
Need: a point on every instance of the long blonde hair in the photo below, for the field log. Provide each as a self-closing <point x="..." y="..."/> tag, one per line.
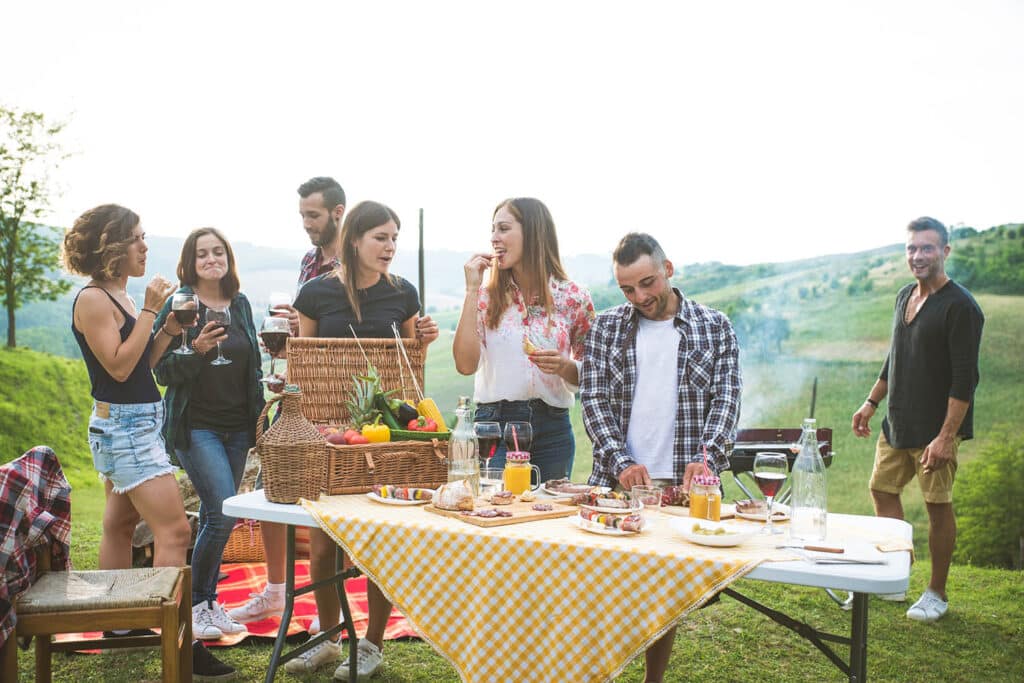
<point x="540" y="257"/>
<point x="365" y="216"/>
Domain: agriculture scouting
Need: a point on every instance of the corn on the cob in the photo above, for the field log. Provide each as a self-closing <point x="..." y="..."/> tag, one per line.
<point x="427" y="408"/>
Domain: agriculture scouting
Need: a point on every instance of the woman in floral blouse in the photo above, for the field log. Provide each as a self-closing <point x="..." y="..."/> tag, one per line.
<point x="521" y="332"/>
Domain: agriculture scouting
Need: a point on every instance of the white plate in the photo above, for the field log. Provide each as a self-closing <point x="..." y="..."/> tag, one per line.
<point x="613" y="511"/>
<point x="394" y="501"/>
<point x="544" y="489"/>
<point x="779" y="510"/>
<point x="736" y="536"/>
<point x="595" y="528"/>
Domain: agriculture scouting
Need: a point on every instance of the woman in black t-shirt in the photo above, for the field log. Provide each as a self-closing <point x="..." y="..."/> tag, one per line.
<point x="362" y="294"/>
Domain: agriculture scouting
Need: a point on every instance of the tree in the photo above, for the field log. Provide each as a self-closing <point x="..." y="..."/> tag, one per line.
<point x="29" y="251"/>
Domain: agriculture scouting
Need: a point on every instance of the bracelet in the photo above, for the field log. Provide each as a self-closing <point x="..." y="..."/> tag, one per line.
<point x="871" y="402"/>
<point x="163" y="328"/>
<point x="148" y="310"/>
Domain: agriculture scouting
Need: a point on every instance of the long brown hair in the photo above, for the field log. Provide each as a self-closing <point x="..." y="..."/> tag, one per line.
<point x="98" y="241"/>
<point x="540" y="257"/>
<point x="229" y="283"/>
<point x="365" y="216"/>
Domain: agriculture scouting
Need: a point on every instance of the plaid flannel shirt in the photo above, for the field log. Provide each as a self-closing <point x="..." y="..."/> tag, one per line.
<point x="311" y="266"/>
<point x="709" y="388"/>
<point x="35" y="509"/>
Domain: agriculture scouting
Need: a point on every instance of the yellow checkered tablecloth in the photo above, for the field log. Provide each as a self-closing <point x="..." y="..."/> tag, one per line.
<point x="541" y="601"/>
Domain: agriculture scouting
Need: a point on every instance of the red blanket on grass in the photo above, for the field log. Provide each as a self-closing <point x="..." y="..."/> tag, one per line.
<point x="247" y="578"/>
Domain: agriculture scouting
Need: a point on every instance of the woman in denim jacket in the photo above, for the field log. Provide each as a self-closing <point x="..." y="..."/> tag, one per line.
<point x="211" y="410"/>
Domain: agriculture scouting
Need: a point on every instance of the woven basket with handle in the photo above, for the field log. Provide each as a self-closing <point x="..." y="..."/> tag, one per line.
<point x="323" y="369"/>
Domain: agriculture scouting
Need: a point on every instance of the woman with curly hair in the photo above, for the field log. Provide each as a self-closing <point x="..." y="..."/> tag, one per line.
<point x="120" y="347"/>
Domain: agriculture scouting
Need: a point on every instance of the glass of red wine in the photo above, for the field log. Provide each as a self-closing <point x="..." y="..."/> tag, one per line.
<point x="185" y="308"/>
<point x="222" y="317"/>
<point x="518" y="436"/>
<point x="274" y="332"/>
<point x="770" y="472"/>
<point x="488" y="436"/>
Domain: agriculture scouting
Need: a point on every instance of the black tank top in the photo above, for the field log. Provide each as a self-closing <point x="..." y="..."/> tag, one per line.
<point x="139" y="387"/>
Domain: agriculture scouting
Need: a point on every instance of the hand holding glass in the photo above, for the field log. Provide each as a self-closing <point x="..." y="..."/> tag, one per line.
<point x="770" y="471"/>
<point x="185" y="308"/>
<point x="278" y="300"/>
<point x="221" y="316"/>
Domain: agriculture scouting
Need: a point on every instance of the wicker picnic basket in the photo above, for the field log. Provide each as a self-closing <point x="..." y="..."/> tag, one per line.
<point x="245" y="544"/>
<point x="323" y="369"/>
<point x="292" y="452"/>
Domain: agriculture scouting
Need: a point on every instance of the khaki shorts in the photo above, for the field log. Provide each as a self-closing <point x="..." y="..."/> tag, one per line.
<point x="895" y="467"/>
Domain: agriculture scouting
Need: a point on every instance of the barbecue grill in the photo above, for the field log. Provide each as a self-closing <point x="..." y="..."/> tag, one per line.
<point x="750" y="442"/>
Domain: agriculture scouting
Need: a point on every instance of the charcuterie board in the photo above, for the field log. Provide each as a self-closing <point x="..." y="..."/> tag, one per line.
<point x="521" y="512"/>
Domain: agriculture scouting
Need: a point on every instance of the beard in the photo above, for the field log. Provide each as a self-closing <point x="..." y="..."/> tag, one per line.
<point x="328" y="234"/>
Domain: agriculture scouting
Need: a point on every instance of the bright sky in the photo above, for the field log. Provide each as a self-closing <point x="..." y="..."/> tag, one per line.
<point x="737" y="131"/>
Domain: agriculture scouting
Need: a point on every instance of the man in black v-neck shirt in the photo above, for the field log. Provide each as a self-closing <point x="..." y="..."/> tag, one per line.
<point x="929" y="378"/>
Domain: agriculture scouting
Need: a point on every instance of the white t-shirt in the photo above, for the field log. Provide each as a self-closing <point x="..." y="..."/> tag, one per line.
<point x="650" y="438"/>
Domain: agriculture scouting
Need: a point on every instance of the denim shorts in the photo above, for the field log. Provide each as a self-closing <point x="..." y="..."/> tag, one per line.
<point x="127" y="448"/>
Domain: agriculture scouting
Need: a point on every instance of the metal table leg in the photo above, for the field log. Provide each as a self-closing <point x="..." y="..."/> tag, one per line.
<point x="290" y="593"/>
<point x="857" y="669"/>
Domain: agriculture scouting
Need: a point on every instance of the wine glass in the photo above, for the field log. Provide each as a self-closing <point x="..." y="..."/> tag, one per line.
<point x="488" y="434"/>
<point x="278" y="299"/>
<point x="770" y="471"/>
<point x="274" y="332"/>
<point x="185" y="307"/>
<point x="221" y="316"/>
<point x="518" y="436"/>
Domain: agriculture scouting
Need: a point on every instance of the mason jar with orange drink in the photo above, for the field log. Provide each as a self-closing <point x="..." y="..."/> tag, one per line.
<point x="706" y="497"/>
<point x="518" y="471"/>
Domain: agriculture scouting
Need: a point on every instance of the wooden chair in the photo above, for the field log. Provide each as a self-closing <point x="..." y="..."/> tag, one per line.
<point x="80" y="601"/>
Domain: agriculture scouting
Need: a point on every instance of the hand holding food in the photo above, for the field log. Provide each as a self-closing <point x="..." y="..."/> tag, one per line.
<point x="474" y="269"/>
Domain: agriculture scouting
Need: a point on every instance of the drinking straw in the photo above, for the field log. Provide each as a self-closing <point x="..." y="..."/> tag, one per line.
<point x="707" y="470"/>
<point x="515" y="439"/>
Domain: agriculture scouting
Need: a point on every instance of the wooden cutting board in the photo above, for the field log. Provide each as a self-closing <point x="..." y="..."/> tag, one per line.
<point x="521" y="512"/>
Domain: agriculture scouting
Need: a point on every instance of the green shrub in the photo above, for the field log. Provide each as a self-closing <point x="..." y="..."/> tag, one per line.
<point x="990" y="505"/>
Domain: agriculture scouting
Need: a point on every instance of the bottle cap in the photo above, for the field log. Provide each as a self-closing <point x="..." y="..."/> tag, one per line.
<point x="517" y="456"/>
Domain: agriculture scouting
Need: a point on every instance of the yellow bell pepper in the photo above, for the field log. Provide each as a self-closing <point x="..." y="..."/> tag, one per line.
<point x="376" y="432"/>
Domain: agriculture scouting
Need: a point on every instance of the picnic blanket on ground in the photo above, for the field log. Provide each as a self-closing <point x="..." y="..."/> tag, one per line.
<point x="485" y="597"/>
<point x="246" y="578"/>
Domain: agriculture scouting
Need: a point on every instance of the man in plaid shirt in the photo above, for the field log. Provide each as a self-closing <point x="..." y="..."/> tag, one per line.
<point x="322" y="207"/>
<point x="675" y="365"/>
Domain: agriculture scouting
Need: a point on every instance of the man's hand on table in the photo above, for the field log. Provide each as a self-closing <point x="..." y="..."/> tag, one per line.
<point x="634" y="475"/>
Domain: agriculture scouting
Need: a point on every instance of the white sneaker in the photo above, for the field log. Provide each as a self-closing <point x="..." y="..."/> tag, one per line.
<point x="369" y="658"/>
<point x="314" y="658"/>
<point x="226" y="624"/>
<point x="928" y="608"/>
<point x="203" y="626"/>
<point x="260" y="606"/>
<point x="893" y="597"/>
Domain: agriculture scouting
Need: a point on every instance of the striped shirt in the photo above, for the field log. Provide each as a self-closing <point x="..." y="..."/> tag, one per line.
<point x="709" y="388"/>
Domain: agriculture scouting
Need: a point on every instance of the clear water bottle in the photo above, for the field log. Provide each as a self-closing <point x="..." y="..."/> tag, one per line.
<point x="809" y="507"/>
<point x="463" y="462"/>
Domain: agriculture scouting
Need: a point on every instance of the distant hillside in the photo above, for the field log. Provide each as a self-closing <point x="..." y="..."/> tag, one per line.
<point x="44" y="400"/>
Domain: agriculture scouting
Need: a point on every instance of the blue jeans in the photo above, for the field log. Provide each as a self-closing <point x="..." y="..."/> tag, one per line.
<point x="554" y="446"/>
<point x="215" y="462"/>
